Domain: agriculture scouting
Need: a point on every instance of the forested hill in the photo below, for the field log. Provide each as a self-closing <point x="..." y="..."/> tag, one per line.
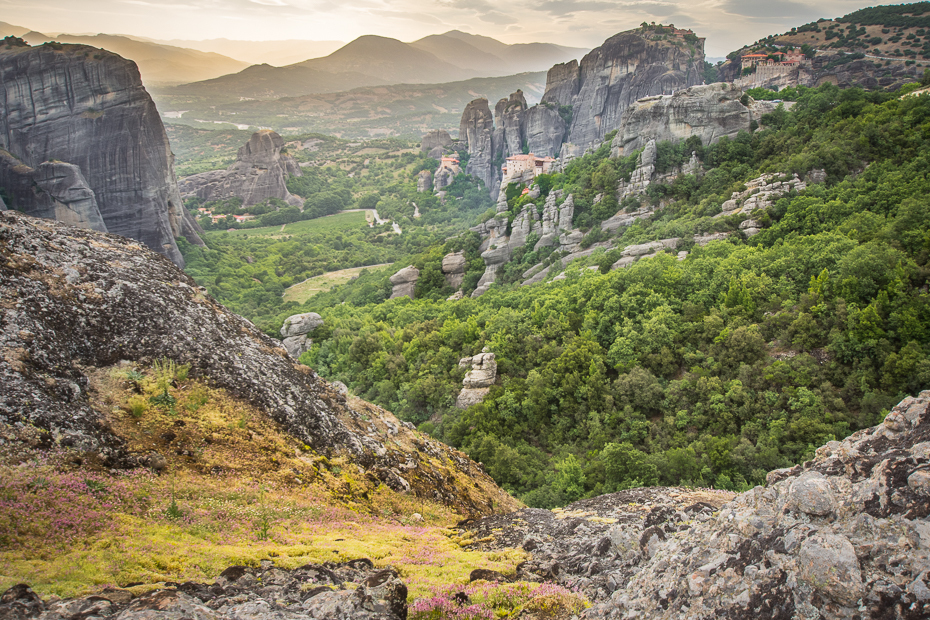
<point x="712" y="370"/>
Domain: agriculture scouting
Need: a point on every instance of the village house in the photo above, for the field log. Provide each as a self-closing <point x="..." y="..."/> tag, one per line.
<point x="450" y="162"/>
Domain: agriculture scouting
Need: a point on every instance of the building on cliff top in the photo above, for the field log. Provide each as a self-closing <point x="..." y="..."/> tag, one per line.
<point x="516" y="165"/>
<point x="449" y="161"/>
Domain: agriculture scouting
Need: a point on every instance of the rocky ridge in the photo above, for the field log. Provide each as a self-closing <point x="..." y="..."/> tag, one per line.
<point x="75" y="300"/>
<point x="259" y="173"/>
<point x="352" y="590"/>
<point x="78" y="121"/>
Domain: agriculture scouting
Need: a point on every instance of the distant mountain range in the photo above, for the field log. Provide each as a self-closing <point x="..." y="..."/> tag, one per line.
<point x="373" y="61"/>
<point x="159" y="64"/>
<point x="276" y="53"/>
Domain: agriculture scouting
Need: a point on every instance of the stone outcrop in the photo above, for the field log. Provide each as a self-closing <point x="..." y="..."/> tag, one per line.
<point x="845" y="535"/>
<point x="633" y="253"/>
<point x="296" y="332"/>
<point x="478" y="380"/>
<point x="53" y="190"/>
<point x="709" y="112"/>
<point x="626" y="67"/>
<point x="477" y="131"/>
<point x="556" y="222"/>
<point x="453" y="269"/>
<point x="87" y="107"/>
<point x="86" y="300"/>
<point x="425" y="181"/>
<point x="761" y="193"/>
<point x="509" y="134"/>
<point x="404" y="282"/>
<point x="435" y="142"/>
<point x="445" y="175"/>
<point x="353" y="590"/>
<point x="260" y="172"/>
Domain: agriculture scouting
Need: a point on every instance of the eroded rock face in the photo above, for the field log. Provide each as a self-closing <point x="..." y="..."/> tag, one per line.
<point x="424" y="181"/>
<point x="545" y="130"/>
<point x="404" y="282"/>
<point x="87" y="107"/>
<point x="708" y="111"/>
<point x="842" y="536"/>
<point x="626" y="67"/>
<point x="86" y="300"/>
<point x="435" y="141"/>
<point x="509" y="135"/>
<point x="478" y="380"/>
<point x="260" y="172"/>
<point x="296" y="332"/>
<point x="353" y="590"/>
<point x="55" y="191"/>
<point x="453" y="268"/>
<point x="562" y="83"/>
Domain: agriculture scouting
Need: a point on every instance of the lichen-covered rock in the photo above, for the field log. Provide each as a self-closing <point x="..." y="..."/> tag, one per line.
<point x="843" y="536"/>
<point x="260" y="172"/>
<point x="87" y="107"/>
<point x="353" y="590"/>
<point x="77" y="300"/>
<point x="404" y="282"/>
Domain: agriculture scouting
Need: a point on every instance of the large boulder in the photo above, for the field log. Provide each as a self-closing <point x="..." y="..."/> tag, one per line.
<point x="404" y="282"/>
<point x="260" y="172"/>
<point x="478" y="380"/>
<point x="296" y="332"/>
<point x="88" y="108"/>
<point x="435" y="142"/>
<point x="424" y="181"/>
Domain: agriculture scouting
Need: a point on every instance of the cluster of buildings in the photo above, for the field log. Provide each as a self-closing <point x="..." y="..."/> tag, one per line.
<point x="216" y="218"/>
<point x="784" y="59"/>
<point x="518" y="165"/>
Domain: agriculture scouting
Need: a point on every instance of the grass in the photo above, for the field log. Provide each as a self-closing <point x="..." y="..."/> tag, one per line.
<point x="302" y="291"/>
<point x="235" y="490"/>
<point x="328" y="224"/>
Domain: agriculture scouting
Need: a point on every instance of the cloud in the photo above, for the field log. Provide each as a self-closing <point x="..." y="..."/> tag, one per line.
<point x="269" y="2"/>
<point x="781" y="10"/>
<point x="493" y="17"/>
<point x="425" y="18"/>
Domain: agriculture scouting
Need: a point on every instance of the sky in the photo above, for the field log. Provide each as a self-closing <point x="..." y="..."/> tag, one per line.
<point x="727" y="24"/>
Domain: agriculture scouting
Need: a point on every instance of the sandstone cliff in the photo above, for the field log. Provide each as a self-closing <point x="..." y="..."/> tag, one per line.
<point x="86" y="300"/>
<point x="87" y="107"/>
<point x="628" y="66"/>
<point x="260" y="172"/>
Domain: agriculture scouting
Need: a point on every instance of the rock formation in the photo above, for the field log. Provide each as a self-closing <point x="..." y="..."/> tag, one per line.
<point x="478" y="380"/>
<point x="556" y="223"/>
<point x="404" y="282"/>
<point x="53" y="190"/>
<point x="544" y="130"/>
<point x="845" y="535"/>
<point x="709" y="112"/>
<point x="259" y="173"/>
<point x="633" y="253"/>
<point x="296" y="332"/>
<point x="353" y="590"/>
<point x="435" y="142"/>
<point x="626" y="67"/>
<point x="453" y="269"/>
<point x="761" y="193"/>
<point x="477" y="131"/>
<point x="425" y="181"/>
<point x="87" y="107"/>
<point x="86" y="300"/>
<point x="509" y="134"/>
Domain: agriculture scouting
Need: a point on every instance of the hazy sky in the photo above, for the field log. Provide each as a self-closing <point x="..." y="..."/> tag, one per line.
<point x="727" y="24"/>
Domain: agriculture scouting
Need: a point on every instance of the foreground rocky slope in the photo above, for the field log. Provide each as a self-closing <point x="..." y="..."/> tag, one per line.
<point x="87" y="107"/>
<point x="74" y="300"/>
<point x="845" y="535"/>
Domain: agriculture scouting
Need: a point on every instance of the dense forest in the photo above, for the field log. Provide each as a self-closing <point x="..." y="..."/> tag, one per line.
<point x="712" y="370"/>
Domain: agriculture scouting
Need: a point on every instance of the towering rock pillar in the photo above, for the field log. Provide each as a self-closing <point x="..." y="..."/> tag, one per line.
<point x="477" y="130"/>
<point x="87" y="107"/>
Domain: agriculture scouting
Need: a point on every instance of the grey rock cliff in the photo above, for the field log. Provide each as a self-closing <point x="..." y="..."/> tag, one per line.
<point x="562" y="83"/>
<point x="435" y="142"/>
<point x="544" y="131"/>
<point x="424" y="181"/>
<point x="87" y="107"/>
<point x="708" y="111"/>
<point x="260" y="172"/>
<point x="509" y="114"/>
<point x="477" y="130"/>
<point x="453" y="269"/>
<point x="626" y="67"/>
